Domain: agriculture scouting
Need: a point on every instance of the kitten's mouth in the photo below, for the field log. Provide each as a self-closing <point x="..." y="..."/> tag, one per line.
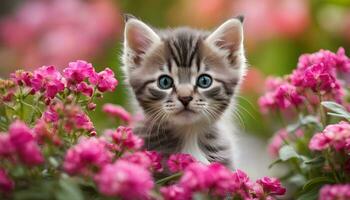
<point x="185" y="111"/>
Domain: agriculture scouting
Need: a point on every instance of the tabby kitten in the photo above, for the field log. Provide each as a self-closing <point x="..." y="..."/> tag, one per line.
<point x="184" y="81"/>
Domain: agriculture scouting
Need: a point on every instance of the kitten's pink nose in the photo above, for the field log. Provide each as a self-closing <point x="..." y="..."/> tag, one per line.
<point x="185" y="100"/>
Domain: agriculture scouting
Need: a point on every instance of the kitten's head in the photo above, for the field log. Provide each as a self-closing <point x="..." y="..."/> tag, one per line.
<point x="184" y="75"/>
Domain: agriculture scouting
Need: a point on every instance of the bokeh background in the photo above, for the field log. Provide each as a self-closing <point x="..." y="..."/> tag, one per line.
<point x="54" y="32"/>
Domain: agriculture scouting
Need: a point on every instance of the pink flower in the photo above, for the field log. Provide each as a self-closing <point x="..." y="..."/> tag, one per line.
<point x="179" y="162"/>
<point x="22" y="77"/>
<point x="286" y="95"/>
<point x="332" y="192"/>
<point x="335" y="136"/>
<point x="82" y="121"/>
<point x="195" y="177"/>
<point x="6" y="184"/>
<point x="222" y="180"/>
<point x="117" y="111"/>
<point x="125" y="139"/>
<point x="148" y="159"/>
<point x="85" y="89"/>
<point x="50" y="115"/>
<point x="342" y="61"/>
<point x="78" y="71"/>
<point x="47" y="80"/>
<point x="6" y="147"/>
<point x="86" y="155"/>
<point x="124" y="179"/>
<point x="319" y="142"/>
<point x="318" y="78"/>
<point x="279" y="138"/>
<point x="104" y="80"/>
<point x="271" y="186"/>
<point x="24" y="143"/>
<point x="156" y="160"/>
<point x="175" y="192"/>
<point x="43" y="133"/>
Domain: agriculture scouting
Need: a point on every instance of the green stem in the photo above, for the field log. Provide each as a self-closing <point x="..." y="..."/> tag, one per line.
<point x="169" y="178"/>
<point x="323" y="115"/>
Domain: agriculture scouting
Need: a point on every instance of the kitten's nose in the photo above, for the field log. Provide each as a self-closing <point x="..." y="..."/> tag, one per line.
<point x="185" y="100"/>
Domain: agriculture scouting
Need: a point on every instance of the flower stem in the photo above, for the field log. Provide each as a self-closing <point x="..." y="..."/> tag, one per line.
<point x="169" y="178"/>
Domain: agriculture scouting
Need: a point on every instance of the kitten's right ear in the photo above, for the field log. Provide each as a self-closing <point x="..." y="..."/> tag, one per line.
<point x="138" y="37"/>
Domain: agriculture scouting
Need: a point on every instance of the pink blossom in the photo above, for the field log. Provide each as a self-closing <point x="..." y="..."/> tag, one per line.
<point x="332" y="192"/>
<point x="85" y="89"/>
<point x="50" y="115"/>
<point x="22" y="77"/>
<point x="148" y="159"/>
<point x="6" y="184"/>
<point x="175" y="192"/>
<point x="6" y="147"/>
<point x="24" y="143"/>
<point x="271" y="186"/>
<point x="82" y="121"/>
<point x="156" y="159"/>
<point x="48" y="80"/>
<point x="179" y="162"/>
<point x="43" y="133"/>
<point x="78" y="71"/>
<point x="124" y="179"/>
<point x="104" y="80"/>
<point x="87" y="154"/>
<point x="335" y="136"/>
<point x="342" y="61"/>
<point x="195" y="177"/>
<point x="222" y="182"/>
<point x="318" y="78"/>
<point x="279" y="138"/>
<point x="117" y="111"/>
<point x="125" y="139"/>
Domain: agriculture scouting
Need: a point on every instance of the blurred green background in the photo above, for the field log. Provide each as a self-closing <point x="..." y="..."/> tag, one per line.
<point x="54" y="32"/>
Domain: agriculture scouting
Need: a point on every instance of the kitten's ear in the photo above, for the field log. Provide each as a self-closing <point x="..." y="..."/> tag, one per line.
<point x="228" y="36"/>
<point x="138" y="37"/>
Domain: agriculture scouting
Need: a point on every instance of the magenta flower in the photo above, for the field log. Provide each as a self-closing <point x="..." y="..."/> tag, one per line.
<point x="47" y="80"/>
<point x="86" y="156"/>
<point x="124" y="139"/>
<point x="271" y="186"/>
<point x="24" y="143"/>
<point x="179" y="162"/>
<point x="124" y="179"/>
<point x="104" y="80"/>
<point x="286" y="95"/>
<point x="332" y="192"/>
<point x="336" y="136"/>
<point x="342" y="61"/>
<point x="175" y="192"/>
<point x="21" y="77"/>
<point x="82" y="121"/>
<point x="6" y="147"/>
<point x="6" y="183"/>
<point x="50" y="115"/>
<point x="222" y="182"/>
<point x="85" y="89"/>
<point x="148" y="159"/>
<point x="195" y="177"/>
<point x="156" y="160"/>
<point x="117" y="111"/>
<point x="279" y="138"/>
<point x="318" y="78"/>
<point x="78" y="71"/>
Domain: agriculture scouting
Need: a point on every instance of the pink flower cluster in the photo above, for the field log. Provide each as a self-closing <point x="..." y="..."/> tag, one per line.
<point x="49" y="81"/>
<point x="150" y="160"/>
<point x="57" y="31"/>
<point x="125" y="179"/>
<point x="19" y="144"/>
<point x="117" y="111"/>
<point x="335" y="136"/>
<point x="123" y="139"/>
<point x="316" y="75"/>
<point x="221" y="182"/>
<point x="332" y="192"/>
<point x="179" y="162"/>
<point x="86" y="156"/>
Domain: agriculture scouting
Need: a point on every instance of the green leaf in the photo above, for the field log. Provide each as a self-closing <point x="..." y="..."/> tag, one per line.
<point x="68" y="189"/>
<point x="338" y="109"/>
<point x="287" y="152"/>
<point x="275" y="163"/>
<point x="316" y="182"/>
<point x="310" y="195"/>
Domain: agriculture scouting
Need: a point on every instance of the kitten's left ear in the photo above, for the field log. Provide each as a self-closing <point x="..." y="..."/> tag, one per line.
<point x="138" y="36"/>
<point x="228" y="36"/>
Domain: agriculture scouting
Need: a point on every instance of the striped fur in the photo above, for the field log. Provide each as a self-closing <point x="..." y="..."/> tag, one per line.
<point x="200" y="128"/>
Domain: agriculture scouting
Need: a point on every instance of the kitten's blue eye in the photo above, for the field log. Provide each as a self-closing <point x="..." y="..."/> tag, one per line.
<point x="165" y="82"/>
<point x="204" y="81"/>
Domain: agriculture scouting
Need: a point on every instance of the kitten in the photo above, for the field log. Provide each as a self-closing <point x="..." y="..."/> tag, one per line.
<point x="185" y="81"/>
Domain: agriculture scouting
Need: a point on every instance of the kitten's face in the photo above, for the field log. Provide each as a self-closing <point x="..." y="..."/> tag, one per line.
<point x="183" y="76"/>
